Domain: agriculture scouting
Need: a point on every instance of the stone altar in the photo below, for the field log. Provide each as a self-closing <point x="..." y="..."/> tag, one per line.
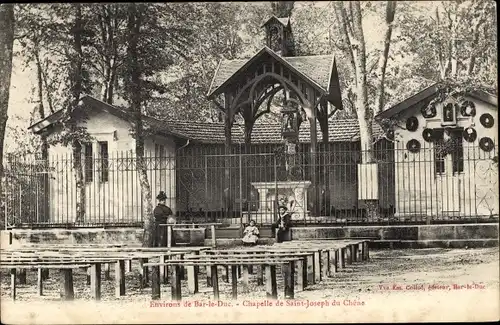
<point x="293" y="194"/>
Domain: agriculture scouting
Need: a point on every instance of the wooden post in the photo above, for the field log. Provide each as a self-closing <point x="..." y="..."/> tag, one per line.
<point x="120" y="278"/>
<point x="349" y="254"/>
<point x="342" y="257"/>
<point x="144" y="273"/>
<point x="67" y="290"/>
<point x="107" y="273"/>
<point x="226" y="268"/>
<point x="88" y="276"/>
<point x="45" y="274"/>
<point x="192" y="277"/>
<point x="95" y="281"/>
<point x="260" y="275"/>
<point x="129" y="265"/>
<point x="250" y="269"/>
<point x="214" y="241"/>
<point x="325" y="264"/>
<point x="289" y="277"/>
<point x="39" y="281"/>
<point x="310" y="270"/>
<point x="366" y="246"/>
<point x="300" y="275"/>
<point x="304" y="270"/>
<point x="271" y="289"/>
<point x="155" y="282"/>
<point x="22" y="276"/>
<point x="169" y="236"/>
<point x="353" y="252"/>
<point x="335" y="262"/>
<point x="317" y="266"/>
<point x="209" y="275"/>
<point x="215" y="281"/>
<point x="361" y="256"/>
<point x="13" y="284"/>
<point x="234" y="281"/>
<point x="175" y="282"/>
<point x="245" y="273"/>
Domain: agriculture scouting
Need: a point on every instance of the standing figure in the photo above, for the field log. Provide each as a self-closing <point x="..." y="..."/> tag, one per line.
<point x="251" y="234"/>
<point x="163" y="215"/>
<point x="282" y="224"/>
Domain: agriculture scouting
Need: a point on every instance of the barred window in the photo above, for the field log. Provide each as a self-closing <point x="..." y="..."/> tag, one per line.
<point x="103" y="146"/>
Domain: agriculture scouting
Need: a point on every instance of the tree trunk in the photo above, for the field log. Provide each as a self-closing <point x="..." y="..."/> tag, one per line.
<point x="134" y="30"/>
<point x="382" y="64"/>
<point x="45" y="146"/>
<point x="76" y="91"/>
<point x="6" y="44"/>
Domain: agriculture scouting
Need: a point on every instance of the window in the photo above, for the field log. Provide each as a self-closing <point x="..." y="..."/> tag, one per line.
<point x="448" y="142"/>
<point x="89" y="162"/>
<point x="103" y="147"/>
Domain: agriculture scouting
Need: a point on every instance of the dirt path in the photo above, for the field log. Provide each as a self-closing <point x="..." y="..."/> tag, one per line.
<point x="397" y="285"/>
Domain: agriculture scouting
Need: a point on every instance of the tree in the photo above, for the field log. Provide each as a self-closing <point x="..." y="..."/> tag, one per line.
<point x="455" y="40"/>
<point x="6" y="45"/>
<point x="155" y="38"/>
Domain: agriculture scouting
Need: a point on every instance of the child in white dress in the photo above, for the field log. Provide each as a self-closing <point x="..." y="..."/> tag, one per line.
<point x="251" y="234"/>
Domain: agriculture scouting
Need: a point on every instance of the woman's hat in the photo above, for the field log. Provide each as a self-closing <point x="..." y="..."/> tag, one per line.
<point x="162" y="196"/>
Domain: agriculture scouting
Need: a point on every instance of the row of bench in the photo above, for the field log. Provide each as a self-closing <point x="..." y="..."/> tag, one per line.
<point x="301" y="263"/>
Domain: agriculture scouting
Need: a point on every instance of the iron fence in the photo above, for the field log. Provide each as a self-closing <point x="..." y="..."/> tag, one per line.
<point x="341" y="184"/>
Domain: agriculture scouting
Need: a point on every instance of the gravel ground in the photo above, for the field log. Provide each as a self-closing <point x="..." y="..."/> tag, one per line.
<point x="394" y="285"/>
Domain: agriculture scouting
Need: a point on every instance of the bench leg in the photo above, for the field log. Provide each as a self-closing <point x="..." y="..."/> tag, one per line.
<point x="39" y="281"/>
<point x="22" y="276"/>
<point x="289" y="277"/>
<point x="120" y="278"/>
<point x="260" y="275"/>
<point x="67" y="289"/>
<point x="244" y="275"/>
<point x="215" y="281"/>
<point x="348" y="255"/>
<point x="107" y="272"/>
<point x="300" y="275"/>
<point x="155" y="282"/>
<point x="13" y="284"/>
<point x="317" y="266"/>
<point x="325" y="265"/>
<point x="144" y="273"/>
<point x="226" y="268"/>
<point x="209" y="275"/>
<point x="234" y="281"/>
<point x="335" y="262"/>
<point x="271" y="289"/>
<point x="310" y="270"/>
<point x="45" y="274"/>
<point x="192" y="277"/>
<point x="95" y="281"/>
<point x="88" y="276"/>
<point x="175" y="283"/>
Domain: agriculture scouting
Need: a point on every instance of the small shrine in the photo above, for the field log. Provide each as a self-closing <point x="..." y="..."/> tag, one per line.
<point x="310" y="90"/>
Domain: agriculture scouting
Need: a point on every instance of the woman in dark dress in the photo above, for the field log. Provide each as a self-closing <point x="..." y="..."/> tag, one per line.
<point x="282" y="224"/>
<point x="161" y="214"/>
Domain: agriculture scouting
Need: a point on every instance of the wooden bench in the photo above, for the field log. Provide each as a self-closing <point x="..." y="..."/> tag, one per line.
<point x="170" y="228"/>
<point x="287" y="263"/>
<point x="44" y="258"/>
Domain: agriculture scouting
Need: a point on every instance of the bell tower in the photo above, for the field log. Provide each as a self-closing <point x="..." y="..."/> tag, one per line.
<point x="279" y="36"/>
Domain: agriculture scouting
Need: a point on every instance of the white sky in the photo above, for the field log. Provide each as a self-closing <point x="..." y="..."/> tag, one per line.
<point x="22" y="82"/>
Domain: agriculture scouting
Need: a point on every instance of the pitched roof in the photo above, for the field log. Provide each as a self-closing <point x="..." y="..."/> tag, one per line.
<point x="341" y="130"/>
<point x="284" y="20"/>
<point x="317" y="68"/>
<point x="430" y="92"/>
<point x="345" y="130"/>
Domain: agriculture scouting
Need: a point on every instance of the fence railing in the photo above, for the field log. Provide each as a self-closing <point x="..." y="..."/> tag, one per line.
<point x="398" y="185"/>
